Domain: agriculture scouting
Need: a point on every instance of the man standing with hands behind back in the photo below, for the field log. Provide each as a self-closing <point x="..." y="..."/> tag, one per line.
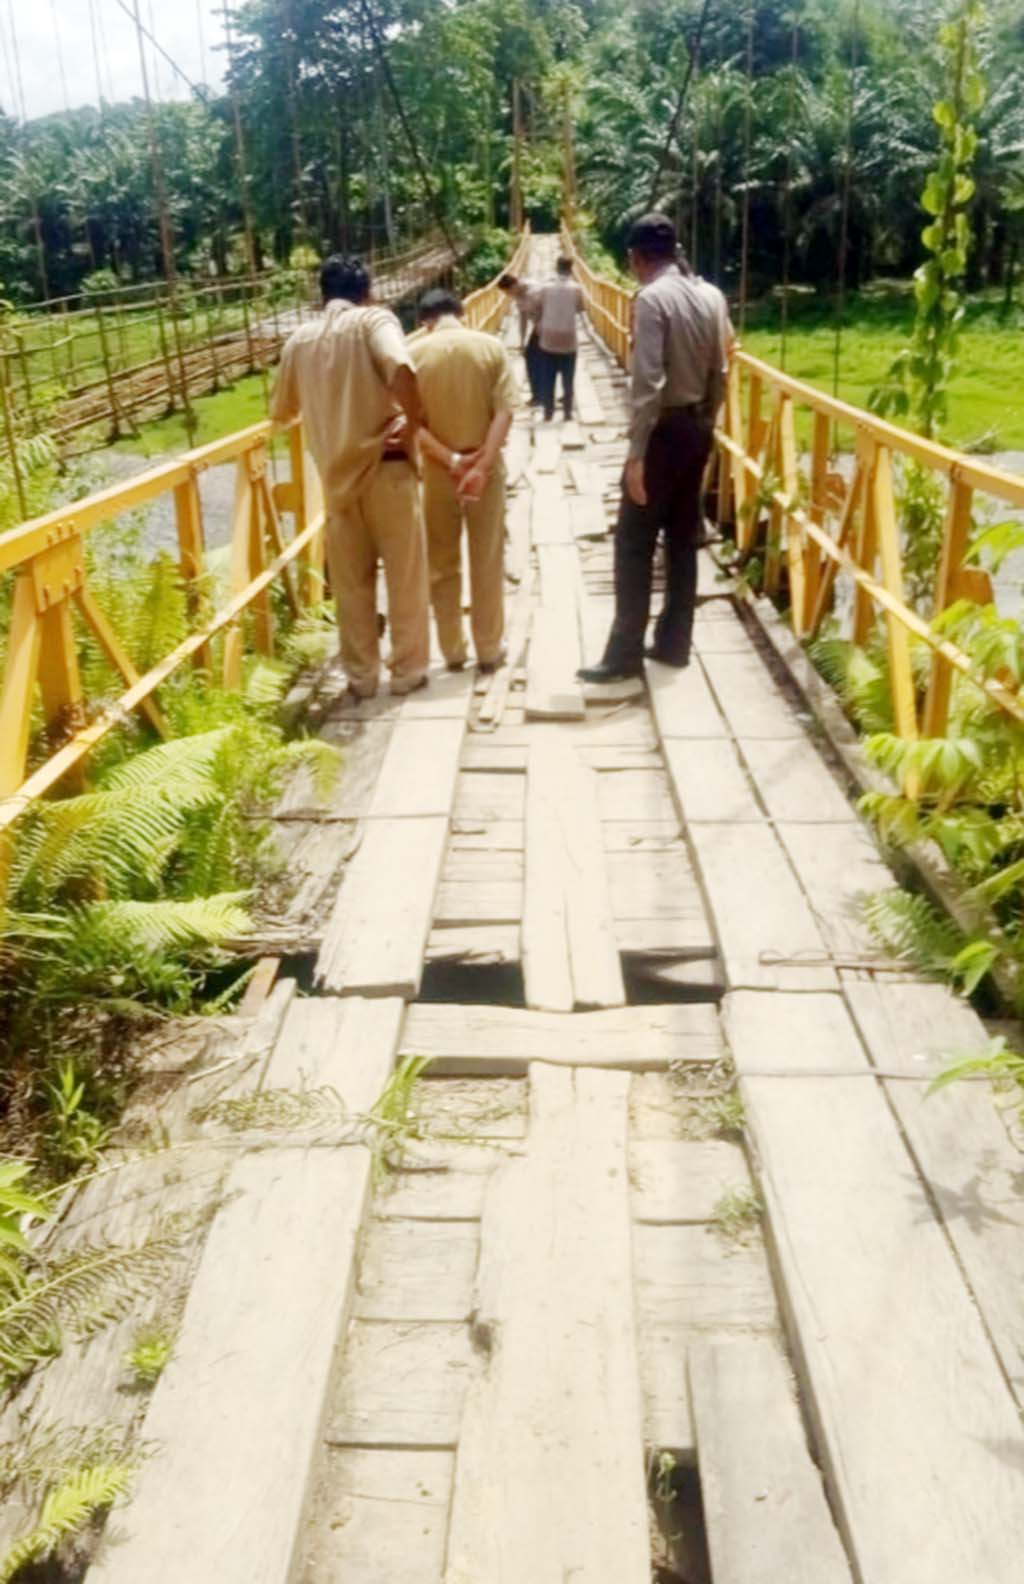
<point x="681" y="344"/>
<point x="469" y="395"/>
<point x="350" y="376"/>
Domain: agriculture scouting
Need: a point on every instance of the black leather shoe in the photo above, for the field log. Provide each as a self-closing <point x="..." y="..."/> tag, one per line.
<point x="609" y="673"/>
<point x="456" y="665"/>
<point x="679" y="661"/>
<point x="488" y="667"/>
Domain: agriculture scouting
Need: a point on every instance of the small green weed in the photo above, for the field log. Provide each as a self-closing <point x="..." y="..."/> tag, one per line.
<point x="737" y="1213"/>
<point x="724" y="1114"/>
<point x="148" y="1355"/>
<point x="74" y="1135"/>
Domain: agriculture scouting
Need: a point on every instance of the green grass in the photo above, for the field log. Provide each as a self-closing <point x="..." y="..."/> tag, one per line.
<point x="986" y="399"/>
<point x="242" y="404"/>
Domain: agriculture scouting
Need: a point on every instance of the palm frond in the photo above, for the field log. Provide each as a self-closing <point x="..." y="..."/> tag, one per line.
<point x="162" y="926"/>
<point x="914" y="930"/>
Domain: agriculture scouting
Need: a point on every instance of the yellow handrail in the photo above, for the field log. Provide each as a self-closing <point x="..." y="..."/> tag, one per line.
<point x="47" y="558"/>
<point x="812" y="521"/>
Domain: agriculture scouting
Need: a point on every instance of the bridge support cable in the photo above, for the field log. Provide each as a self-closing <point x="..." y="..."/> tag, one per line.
<point x="429" y="190"/>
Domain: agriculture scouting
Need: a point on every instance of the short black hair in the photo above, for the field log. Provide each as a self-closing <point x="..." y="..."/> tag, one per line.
<point x="653" y="236"/>
<point x="433" y="304"/>
<point x="508" y="282"/>
<point x="344" y="277"/>
<point x="564" y="265"/>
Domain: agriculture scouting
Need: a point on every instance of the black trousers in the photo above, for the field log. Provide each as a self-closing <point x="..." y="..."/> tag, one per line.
<point x="554" y="364"/>
<point x="677" y="455"/>
<point x="534" y="359"/>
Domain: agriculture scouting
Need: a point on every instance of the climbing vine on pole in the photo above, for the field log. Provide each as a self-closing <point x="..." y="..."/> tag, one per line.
<point x="918" y="380"/>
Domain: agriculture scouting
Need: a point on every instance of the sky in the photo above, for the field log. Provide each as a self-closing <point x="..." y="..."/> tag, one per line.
<point x="38" y="23"/>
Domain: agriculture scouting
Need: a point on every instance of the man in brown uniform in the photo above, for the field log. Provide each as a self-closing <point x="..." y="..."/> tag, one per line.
<point x="350" y="376"/>
<point x="469" y="395"/>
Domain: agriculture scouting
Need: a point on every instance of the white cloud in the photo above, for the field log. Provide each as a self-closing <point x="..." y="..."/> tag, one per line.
<point x="175" y="23"/>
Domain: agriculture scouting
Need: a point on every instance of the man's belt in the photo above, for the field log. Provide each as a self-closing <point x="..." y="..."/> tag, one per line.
<point x="395" y="456"/>
<point x="690" y="407"/>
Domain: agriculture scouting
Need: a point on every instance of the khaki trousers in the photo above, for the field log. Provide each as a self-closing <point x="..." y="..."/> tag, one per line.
<point x="485" y="530"/>
<point x="384" y="523"/>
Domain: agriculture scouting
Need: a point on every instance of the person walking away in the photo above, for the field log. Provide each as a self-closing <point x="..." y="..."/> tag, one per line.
<point x="469" y="394"/>
<point x="350" y="376"/>
<point x="526" y="296"/>
<point x="561" y="301"/>
<point x="682" y="338"/>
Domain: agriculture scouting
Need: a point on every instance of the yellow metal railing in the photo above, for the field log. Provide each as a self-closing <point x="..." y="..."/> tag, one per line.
<point x="50" y="587"/>
<point x="813" y="521"/>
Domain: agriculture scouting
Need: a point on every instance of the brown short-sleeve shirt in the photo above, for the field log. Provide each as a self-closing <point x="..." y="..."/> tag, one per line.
<point x="465" y="378"/>
<point x="337" y="372"/>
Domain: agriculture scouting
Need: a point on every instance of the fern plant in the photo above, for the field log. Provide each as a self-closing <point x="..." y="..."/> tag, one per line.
<point x="65" y="1511"/>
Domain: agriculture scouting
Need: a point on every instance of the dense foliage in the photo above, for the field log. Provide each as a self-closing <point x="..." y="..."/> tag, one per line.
<point x="837" y="101"/>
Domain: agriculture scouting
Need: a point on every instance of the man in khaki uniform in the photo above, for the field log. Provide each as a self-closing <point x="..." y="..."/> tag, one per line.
<point x="350" y="376"/>
<point x="469" y="394"/>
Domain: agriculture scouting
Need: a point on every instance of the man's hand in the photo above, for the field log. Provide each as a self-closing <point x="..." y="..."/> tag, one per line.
<point x="473" y="480"/>
<point x="636" y="486"/>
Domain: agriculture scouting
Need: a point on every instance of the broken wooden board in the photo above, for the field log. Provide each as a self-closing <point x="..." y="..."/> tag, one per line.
<point x="505" y="1040"/>
<point x="902" y="1381"/>
<point x="419" y="770"/>
<point x="549" y="1476"/>
<point x="552" y="688"/>
<point x="259" y="1368"/>
<point x="764" y="1504"/>
<point x="959" y="1140"/>
<point x="570" y="954"/>
<point x="769" y="936"/>
<point x="377" y="933"/>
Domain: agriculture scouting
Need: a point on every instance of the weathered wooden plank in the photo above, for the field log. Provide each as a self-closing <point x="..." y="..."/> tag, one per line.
<point x="795" y="783"/>
<point x="489" y="944"/>
<point x="419" y="770"/>
<point x="644" y="887"/>
<point x="417" y="1270"/>
<point x="683" y="703"/>
<point x="587" y="516"/>
<point x="588" y="403"/>
<point x="480" y="900"/>
<point x="506" y="1039"/>
<point x="769" y="936"/>
<point x="288" y="1224"/>
<point x="636" y="795"/>
<point x="839" y="866"/>
<point x="482" y="797"/>
<point x="549" y="1480"/>
<point x="487" y="751"/>
<point x="553" y="657"/>
<point x="549" y="517"/>
<point x="499" y="835"/>
<point x="749" y="699"/>
<point x="718" y="629"/>
<point x="380" y="1517"/>
<point x="517" y="549"/>
<point x="447" y="696"/>
<point x="403" y="1384"/>
<point x="677" y="1181"/>
<point x="573" y="438"/>
<point x="764" y="1504"/>
<point x="547" y="448"/>
<point x="692" y="1278"/>
<point x="710" y="780"/>
<point x="586" y="478"/>
<point x="438" y="1180"/>
<point x="377" y="933"/>
<point x="570" y="956"/>
<point x="960" y="1142"/>
<point x="903" y="1383"/>
<point x="363" y="746"/>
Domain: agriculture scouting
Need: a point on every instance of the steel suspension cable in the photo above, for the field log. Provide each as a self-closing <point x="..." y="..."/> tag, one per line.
<point x="693" y="54"/>
<point x="94" y="32"/>
<point x="748" y="120"/>
<point x="430" y="193"/>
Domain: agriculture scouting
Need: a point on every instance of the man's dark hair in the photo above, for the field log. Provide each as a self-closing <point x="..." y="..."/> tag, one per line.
<point x="653" y="236"/>
<point x="564" y="265"/>
<point x="508" y="282"/>
<point x="346" y="278"/>
<point x="434" y="304"/>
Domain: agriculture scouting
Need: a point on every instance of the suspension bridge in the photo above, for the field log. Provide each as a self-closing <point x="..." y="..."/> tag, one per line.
<point x="683" y="1276"/>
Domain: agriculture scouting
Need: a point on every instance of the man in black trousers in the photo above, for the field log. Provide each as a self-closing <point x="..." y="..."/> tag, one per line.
<point x="681" y="340"/>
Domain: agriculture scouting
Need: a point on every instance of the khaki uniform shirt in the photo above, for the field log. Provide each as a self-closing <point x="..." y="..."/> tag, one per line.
<point x="337" y="372"/>
<point x="681" y="339"/>
<point x="465" y="379"/>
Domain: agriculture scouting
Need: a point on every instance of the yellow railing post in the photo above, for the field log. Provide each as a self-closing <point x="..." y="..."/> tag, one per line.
<point x="954" y="546"/>
<point x="188" y="515"/>
<point x="900" y="670"/>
